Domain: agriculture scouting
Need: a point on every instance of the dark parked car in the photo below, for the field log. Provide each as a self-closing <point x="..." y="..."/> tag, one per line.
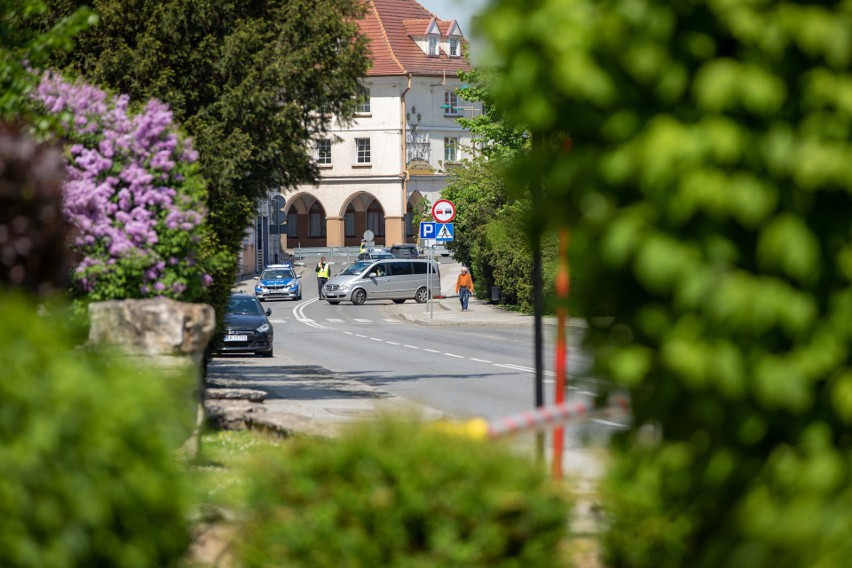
<point x="247" y="329"/>
<point x="405" y="251"/>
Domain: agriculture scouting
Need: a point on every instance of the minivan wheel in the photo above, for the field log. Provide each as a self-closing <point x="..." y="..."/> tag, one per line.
<point x="399" y="300"/>
<point x="359" y="296"/>
<point x="421" y="295"/>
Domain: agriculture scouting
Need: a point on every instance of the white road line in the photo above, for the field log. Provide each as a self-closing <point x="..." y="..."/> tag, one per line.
<point x="359" y="335"/>
<point x="454" y="355"/>
<point x="377" y="339"/>
<point x="480" y="360"/>
<point x="277" y="321"/>
<point x="515" y="368"/>
<point x="390" y="320"/>
<point x="299" y="314"/>
<point x="431" y="350"/>
<point x="334" y="320"/>
<point x="411" y="346"/>
<point x="348" y="333"/>
<point x="392" y="343"/>
<point x="360" y="320"/>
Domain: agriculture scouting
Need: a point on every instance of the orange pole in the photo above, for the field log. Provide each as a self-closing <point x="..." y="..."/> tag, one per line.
<point x="562" y="286"/>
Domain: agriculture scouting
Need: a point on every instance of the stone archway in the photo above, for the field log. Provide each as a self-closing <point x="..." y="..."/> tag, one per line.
<point x="360" y="212"/>
<point x="411" y="222"/>
<point x="306" y="223"/>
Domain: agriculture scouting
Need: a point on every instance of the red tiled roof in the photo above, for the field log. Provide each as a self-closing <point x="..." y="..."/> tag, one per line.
<point x="389" y="25"/>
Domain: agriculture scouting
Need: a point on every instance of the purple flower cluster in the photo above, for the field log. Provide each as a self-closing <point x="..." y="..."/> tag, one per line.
<point x="129" y="193"/>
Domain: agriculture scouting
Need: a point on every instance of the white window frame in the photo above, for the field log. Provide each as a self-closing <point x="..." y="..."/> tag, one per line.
<point x="451" y="150"/>
<point x="362" y="151"/>
<point x="455" y="47"/>
<point x="451" y="104"/>
<point x="364" y="100"/>
<point x="433" y="45"/>
<point x="324" y="152"/>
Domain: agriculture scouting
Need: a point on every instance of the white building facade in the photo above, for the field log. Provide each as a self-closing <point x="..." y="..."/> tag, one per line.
<point x="404" y="140"/>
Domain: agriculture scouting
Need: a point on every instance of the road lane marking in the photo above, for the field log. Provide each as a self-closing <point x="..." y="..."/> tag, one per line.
<point x="454" y="355"/>
<point x="277" y="321"/>
<point x="361" y="320"/>
<point x="359" y="335"/>
<point x="480" y="360"/>
<point x="515" y="368"/>
<point x="299" y="314"/>
<point x="377" y="339"/>
<point x="411" y="346"/>
<point x="392" y="343"/>
<point x="431" y="350"/>
<point x="334" y="320"/>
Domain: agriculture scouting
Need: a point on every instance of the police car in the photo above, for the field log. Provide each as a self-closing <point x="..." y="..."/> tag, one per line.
<point x="278" y="281"/>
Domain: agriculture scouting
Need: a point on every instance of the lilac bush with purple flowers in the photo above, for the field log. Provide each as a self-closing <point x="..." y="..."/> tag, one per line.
<point x="133" y="195"/>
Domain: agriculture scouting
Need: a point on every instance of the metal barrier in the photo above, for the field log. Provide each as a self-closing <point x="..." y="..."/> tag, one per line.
<point x="536" y="419"/>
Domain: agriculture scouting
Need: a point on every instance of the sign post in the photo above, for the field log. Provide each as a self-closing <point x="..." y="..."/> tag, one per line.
<point x="443" y="212"/>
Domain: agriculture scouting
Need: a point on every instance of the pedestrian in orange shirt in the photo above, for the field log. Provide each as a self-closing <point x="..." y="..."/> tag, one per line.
<point x="464" y="287"/>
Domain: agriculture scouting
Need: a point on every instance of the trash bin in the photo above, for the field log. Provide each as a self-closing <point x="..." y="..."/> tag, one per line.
<point x="496" y="294"/>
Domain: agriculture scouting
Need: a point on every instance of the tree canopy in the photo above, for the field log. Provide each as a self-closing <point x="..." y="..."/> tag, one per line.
<point x="253" y="82"/>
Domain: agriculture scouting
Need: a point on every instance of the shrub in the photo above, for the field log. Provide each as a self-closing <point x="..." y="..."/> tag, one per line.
<point x="390" y="494"/>
<point x="133" y="195"/>
<point x="87" y="451"/>
<point x="707" y="183"/>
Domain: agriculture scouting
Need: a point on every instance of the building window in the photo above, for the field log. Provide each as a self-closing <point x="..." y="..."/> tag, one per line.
<point x="451" y="150"/>
<point x="362" y="150"/>
<point x="292" y="223"/>
<point x="455" y="47"/>
<point x="316" y="220"/>
<point x="324" y="152"/>
<point x="376" y="219"/>
<point x="433" y="46"/>
<point x="349" y="221"/>
<point x="363" y="100"/>
<point x="451" y="104"/>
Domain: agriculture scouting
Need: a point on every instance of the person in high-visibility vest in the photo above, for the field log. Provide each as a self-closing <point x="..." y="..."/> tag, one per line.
<point x="363" y="247"/>
<point x="322" y="271"/>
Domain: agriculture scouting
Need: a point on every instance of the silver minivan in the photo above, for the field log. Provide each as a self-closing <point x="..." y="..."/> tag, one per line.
<point x="388" y="279"/>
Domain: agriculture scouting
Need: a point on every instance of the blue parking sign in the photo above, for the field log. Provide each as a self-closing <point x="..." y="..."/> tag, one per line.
<point x="428" y="230"/>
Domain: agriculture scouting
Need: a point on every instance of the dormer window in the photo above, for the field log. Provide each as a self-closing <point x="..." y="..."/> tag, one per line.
<point x="433" y="46"/>
<point x="455" y="47"/>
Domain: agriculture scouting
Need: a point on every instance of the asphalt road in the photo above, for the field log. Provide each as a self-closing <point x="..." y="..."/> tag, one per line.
<point x="461" y="371"/>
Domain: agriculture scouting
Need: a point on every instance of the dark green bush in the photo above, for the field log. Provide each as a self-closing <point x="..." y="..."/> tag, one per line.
<point x="393" y="495"/>
<point x="87" y="451"/>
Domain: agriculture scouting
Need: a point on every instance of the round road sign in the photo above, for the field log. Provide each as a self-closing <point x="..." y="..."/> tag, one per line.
<point x="443" y="211"/>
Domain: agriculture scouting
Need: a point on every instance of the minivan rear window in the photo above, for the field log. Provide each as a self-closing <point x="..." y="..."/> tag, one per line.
<point x="423" y="267"/>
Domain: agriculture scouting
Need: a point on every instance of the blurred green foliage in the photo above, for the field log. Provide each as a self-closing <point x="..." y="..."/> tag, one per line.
<point x="22" y="48"/>
<point x="392" y="494"/>
<point x="88" y="446"/>
<point x="699" y="152"/>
